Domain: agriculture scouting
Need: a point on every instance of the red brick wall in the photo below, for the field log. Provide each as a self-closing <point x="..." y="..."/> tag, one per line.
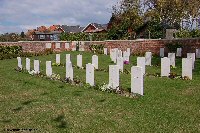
<point x="137" y="46"/>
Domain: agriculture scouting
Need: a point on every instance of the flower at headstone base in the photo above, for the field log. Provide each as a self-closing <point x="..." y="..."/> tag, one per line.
<point x="55" y="76"/>
<point x="105" y="87"/>
<point x="173" y="67"/>
<point x="32" y="72"/>
<point x="126" y="62"/>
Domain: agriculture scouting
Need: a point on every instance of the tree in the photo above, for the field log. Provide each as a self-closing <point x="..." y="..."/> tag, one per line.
<point x="22" y="35"/>
<point x="126" y="17"/>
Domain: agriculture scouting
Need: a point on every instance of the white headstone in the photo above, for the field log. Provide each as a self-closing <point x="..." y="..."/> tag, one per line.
<point x="165" y="67"/>
<point x="187" y="67"/>
<point x="141" y="63"/>
<point x="57" y="58"/>
<point x="67" y="45"/>
<point x="148" y="56"/>
<point x="120" y="63"/>
<point x="137" y="80"/>
<point x="162" y="52"/>
<point x="19" y="61"/>
<point x="105" y="51"/>
<point x="73" y="45"/>
<point x="114" y="76"/>
<point x="28" y="64"/>
<point x="37" y="66"/>
<point x="90" y="74"/>
<point x="48" y="68"/>
<point x="95" y="61"/>
<point x="197" y="53"/>
<point x="69" y="71"/>
<point x="48" y="45"/>
<point x="126" y="56"/>
<point x="81" y="46"/>
<point x="128" y="51"/>
<point x="115" y="55"/>
<point x="68" y="59"/>
<point x="119" y="53"/>
<point x="57" y="45"/>
<point x="179" y="52"/>
<point x="172" y="59"/>
<point x="79" y="60"/>
<point x="192" y="55"/>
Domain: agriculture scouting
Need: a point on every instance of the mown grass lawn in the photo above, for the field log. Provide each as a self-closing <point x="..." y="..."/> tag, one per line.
<point x="168" y="105"/>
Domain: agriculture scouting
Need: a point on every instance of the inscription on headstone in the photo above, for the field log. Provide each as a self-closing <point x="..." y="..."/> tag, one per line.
<point x="148" y="57"/>
<point x="48" y="69"/>
<point x="162" y="52"/>
<point x="114" y="76"/>
<point x="187" y="67"/>
<point x="19" y="61"/>
<point x="179" y="52"/>
<point x="95" y="61"/>
<point x="105" y="51"/>
<point x="36" y="66"/>
<point x="141" y="63"/>
<point x="69" y="71"/>
<point x="172" y="59"/>
<point x="120" y="63"/>
<point x="28" y="65"/>
<point x="165" y="67"/>
<point x="68" y="59"/>
<point x="57" y="58"/>
<point x="90" y="74"/>
<point x="192" y="56"/>
<point x="136" y="80"/>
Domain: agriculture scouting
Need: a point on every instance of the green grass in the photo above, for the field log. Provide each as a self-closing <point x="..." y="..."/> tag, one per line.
<point x="168" y="105"/>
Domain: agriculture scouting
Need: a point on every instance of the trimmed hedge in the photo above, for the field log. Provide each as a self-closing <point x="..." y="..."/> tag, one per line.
<point x="8" y="52"/>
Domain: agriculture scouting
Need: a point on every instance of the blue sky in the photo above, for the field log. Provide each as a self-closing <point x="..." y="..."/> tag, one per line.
<point x="20" y="15"/>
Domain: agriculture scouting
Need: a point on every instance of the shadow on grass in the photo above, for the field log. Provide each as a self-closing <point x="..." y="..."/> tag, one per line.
<point x="17" y="109"/>
<point x="61" y="120"/>
<point x="61" y="86"/>
<point x="77" y="93"/>
<point x="43" y="94"/>
<point x="102" y="100"/>
<point x="28" y="102"/>
<point x="5" y="121"/>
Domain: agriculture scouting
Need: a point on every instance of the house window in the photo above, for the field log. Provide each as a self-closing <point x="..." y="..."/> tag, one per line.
<point x="55" y="37"/>
<point x="42" y="36"/>
<point x="47" y="36"/>
<point x="51" y="37"/>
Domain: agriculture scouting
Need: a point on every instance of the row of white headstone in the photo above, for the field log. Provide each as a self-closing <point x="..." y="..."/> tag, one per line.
<point x="187" y="66"/>
<point x="116" y="53"/>
<point x="79" y="60"/>
<point x="114" y="73"/>
<point x="67" y="45"/>
<point x="57" y="45"/>
<point x="178" y="52"/>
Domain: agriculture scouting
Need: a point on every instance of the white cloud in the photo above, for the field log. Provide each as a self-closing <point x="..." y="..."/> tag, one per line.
<point x="18" y="15"/>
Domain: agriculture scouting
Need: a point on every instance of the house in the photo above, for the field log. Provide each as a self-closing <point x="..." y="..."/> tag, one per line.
<point x="95" y="28"/>
<point x="48" y="34"/>
<point x="53" y="32"/>
<point x="30" y="34"/>
<point x="72" y="29"/>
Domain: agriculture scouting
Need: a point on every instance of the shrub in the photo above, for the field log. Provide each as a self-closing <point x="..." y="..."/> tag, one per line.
<point x="8" y="52"/>
<point x="95" y="48"/>
<point x="188" y="34"/>
<point x="172" y="47"/>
